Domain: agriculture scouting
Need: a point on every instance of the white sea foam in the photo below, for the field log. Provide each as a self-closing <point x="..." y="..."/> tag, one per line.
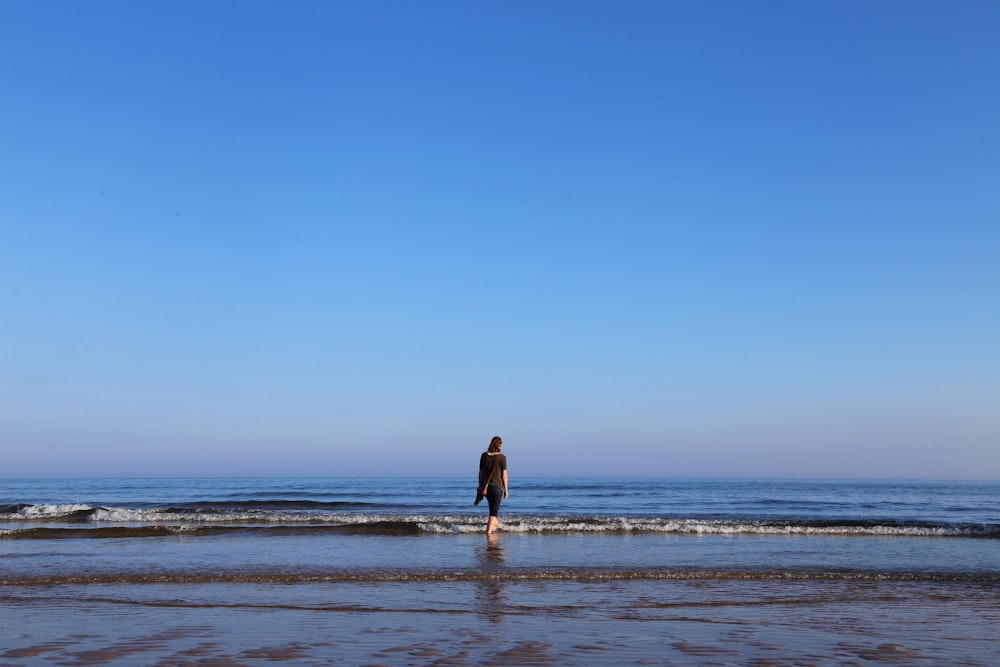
<point x="129" y="515"/>
<point x="144" y="516"/>
<point x="474" y="522"/>
<point x="693" y="527"/>
<point x="37" y="512"/>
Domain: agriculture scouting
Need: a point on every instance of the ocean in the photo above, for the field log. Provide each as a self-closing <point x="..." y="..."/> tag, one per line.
<point x="583" y="571"/>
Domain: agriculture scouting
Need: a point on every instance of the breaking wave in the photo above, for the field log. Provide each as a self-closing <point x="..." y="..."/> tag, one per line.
<point x="82" y="521"/>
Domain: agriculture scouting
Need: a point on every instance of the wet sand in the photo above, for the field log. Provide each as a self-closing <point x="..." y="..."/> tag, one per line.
<point x="764" y="623"/>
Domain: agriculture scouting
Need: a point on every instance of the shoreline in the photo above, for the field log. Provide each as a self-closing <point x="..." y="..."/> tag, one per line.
<point x="763" y="622"/>
<point x="507" y="575"/>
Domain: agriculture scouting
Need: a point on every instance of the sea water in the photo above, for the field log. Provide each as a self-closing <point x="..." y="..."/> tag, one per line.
<point x="584" y="571"/>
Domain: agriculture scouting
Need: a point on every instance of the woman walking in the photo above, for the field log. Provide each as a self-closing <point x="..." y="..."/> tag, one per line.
<point x="493" y="480"/>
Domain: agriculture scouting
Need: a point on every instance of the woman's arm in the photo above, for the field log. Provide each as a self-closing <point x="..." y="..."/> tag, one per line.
<point x="504" y="476"/>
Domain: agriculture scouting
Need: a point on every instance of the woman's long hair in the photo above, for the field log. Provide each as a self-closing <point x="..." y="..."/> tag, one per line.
<point x="495" y="444"/>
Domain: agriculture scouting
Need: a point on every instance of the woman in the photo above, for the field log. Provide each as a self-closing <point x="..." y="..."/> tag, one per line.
<point x="493" y="475"/>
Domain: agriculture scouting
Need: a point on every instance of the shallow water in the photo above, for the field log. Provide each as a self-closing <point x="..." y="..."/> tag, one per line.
<point x="666" y="622"/>
<point x="186" y="572"/>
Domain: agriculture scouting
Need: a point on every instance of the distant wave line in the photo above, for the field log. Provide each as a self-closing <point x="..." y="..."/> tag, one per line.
<point x="264" y="510"/>
<point x="154" y="524"/>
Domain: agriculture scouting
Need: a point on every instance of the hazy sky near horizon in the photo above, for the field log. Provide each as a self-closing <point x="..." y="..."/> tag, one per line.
<point x="633" y="238"/>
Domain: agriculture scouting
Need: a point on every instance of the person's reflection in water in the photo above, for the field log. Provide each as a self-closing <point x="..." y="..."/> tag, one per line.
<point x="494" y="551"/>
<point x="492" y="594"/>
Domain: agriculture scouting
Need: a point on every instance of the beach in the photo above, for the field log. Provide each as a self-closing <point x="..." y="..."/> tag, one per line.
<point x="493" y="620"/>
<point x="316" y="572"/>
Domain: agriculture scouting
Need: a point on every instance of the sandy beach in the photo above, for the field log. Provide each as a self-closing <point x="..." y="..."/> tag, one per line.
<point x="635" y="622"/>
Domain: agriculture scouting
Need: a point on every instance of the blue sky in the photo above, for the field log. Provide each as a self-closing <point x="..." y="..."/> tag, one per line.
<point x="632" y="238"/>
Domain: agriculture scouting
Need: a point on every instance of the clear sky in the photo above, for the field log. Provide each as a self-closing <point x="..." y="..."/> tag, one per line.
<point x="725" y="238"/>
